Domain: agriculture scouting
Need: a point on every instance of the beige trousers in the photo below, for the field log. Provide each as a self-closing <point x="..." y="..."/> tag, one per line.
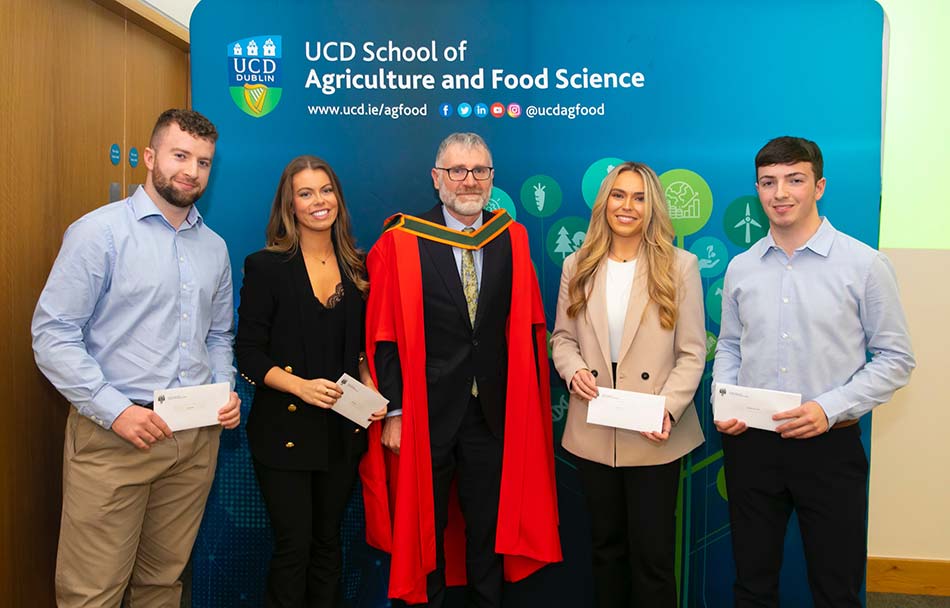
<point x="130" y="516"/>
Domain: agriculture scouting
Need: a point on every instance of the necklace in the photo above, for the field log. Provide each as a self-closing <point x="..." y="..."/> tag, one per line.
<point x="620" y="259"/>
<point x="323" y="262"/>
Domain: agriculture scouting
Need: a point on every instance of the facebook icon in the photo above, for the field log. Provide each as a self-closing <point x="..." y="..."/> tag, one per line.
<point x="445" y="110"/>
<point x="481" y="110"/>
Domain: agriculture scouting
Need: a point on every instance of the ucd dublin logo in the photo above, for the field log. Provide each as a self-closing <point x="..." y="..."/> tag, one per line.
<point x="254" y="74"/>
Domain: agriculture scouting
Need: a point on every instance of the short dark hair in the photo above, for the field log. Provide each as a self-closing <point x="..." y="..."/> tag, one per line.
<point x="189" y="121"/>
<point x="788" y="150"/>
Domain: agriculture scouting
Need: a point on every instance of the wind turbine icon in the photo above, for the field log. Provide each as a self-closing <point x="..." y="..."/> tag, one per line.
<point x="748" y="221"/>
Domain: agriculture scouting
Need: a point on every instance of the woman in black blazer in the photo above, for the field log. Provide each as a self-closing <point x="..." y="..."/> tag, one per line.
<point x="300" y="326"/>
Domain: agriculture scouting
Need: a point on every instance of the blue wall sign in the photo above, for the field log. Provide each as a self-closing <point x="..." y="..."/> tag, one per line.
<point x="562" y="91"/>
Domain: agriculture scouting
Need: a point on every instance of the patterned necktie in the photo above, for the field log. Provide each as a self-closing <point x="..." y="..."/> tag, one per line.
<point x="469" y="279"/>
<point x="470" y="287"/>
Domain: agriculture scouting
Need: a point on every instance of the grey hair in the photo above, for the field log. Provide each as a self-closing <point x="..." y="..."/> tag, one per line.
<point x="466" y="140"/>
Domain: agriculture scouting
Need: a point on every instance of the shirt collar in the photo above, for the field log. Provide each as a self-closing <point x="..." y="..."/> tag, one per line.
<point x="819" y="243"/>
<point x="143" y="207"/>
<point x="454" y="224"/>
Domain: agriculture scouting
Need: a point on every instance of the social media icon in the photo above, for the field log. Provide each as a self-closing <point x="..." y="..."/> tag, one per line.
<point x="514" y="110"/>
<point x="497" y="109"/>
<point x="445" y="110"/>
<point x="481" y="110"/>
<point x="464" y="110"/>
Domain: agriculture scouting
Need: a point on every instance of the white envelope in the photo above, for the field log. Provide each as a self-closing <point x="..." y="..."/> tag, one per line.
<point x="627" y="410"/>
<point x="754" y="406"/>
<point x="358" y="401"/>
<point x="190" y="407"/>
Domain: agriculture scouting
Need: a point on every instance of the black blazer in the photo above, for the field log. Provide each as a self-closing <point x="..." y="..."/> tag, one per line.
<point x="455" y="351"/>
<point x="273" y="330"/>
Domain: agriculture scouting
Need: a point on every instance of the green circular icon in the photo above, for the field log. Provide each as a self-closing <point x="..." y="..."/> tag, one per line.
<point x="711" y="341"/>
<point x="541" y="196"/>
<point x="499" y="199"/>
<point x="721" y="483"/>
<point x="595" y="174"/>
<point x="565" y="237"/>
<point x="713" y="256"/>
<point x="689" y="200"/>
<point x="744" y="221"/>
<point x="714" y="301"/>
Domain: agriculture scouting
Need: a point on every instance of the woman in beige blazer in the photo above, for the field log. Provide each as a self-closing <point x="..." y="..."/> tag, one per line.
<point x="630" y="316"/>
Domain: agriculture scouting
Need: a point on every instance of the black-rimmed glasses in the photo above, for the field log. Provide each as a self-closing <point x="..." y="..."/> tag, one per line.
<point x="460" y="174"/>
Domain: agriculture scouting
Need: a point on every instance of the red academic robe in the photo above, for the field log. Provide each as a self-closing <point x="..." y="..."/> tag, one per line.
<point x="397" y="490"/>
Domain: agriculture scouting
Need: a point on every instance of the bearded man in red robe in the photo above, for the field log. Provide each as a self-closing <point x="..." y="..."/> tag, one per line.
<point x="458" y="483"/>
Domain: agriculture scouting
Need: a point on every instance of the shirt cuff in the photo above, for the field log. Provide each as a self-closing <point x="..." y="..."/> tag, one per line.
<point x="105" y="407"/>
<point x="229" y="378"/>
<point x="393" y="413"/>
<point x="834" y="405"/>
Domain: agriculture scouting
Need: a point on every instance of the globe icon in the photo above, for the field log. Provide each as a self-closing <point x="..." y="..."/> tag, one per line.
<point x="683" y="201"/>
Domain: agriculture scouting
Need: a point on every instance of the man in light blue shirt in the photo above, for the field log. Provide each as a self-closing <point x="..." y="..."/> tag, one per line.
<point x="801" y="311"/>
<point x="138" y="299"/>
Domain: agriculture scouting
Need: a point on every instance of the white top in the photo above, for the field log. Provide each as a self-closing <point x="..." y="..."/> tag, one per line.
<point x="619" y="283"/>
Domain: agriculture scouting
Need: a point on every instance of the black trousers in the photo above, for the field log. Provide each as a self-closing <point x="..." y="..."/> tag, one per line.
<point x="473" y="458"/>
<point x="633" y="532"/>
<point x="305" y="509"/>
<point x="824" y="479"/>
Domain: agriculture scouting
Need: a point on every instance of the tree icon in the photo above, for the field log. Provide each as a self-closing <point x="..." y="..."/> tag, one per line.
<point x="563" y="244"/>
<point x="565" y="237"/>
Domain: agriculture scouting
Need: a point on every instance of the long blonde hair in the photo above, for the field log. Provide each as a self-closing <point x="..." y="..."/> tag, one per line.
<point x="656" y="246"/>
<point x="283" y="235"/>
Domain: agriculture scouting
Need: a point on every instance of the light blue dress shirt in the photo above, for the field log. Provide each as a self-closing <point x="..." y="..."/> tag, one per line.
<point x="133" y="305"/>
<point x="477" y="254"/>
<point x="806" y="324"/>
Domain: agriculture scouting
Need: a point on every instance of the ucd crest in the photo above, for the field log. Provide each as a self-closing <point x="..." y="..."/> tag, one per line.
<point x="254" y="74"/>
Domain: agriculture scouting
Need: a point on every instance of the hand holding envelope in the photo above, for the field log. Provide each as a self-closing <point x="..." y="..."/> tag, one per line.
<point x="358" y="402"/>
<point x="627" y="410"/>
<point x="754" y="407"/>
<point x="190" y="407"/>
<point x="804" y="422"/>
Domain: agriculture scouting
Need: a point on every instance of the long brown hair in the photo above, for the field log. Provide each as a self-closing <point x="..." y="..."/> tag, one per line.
<point x="283" y="235"/>
<point x="656" y="246"/>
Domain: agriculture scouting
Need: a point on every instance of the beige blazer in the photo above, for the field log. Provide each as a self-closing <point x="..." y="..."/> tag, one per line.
<point x="652" y="360"/>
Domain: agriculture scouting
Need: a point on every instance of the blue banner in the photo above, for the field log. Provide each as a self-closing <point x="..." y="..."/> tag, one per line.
<point x="562" y="91"/>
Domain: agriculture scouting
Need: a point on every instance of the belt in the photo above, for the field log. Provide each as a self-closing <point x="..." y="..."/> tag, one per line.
<point x="149" y="405"/>
<point x="844" y="424"/>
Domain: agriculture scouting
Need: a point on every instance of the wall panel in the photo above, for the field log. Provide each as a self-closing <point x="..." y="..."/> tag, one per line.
<point x="161" y="70"/>
<point x="66" y="100"/>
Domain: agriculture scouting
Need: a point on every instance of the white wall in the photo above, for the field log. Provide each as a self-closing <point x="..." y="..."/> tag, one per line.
<point x="179" y="10"/>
